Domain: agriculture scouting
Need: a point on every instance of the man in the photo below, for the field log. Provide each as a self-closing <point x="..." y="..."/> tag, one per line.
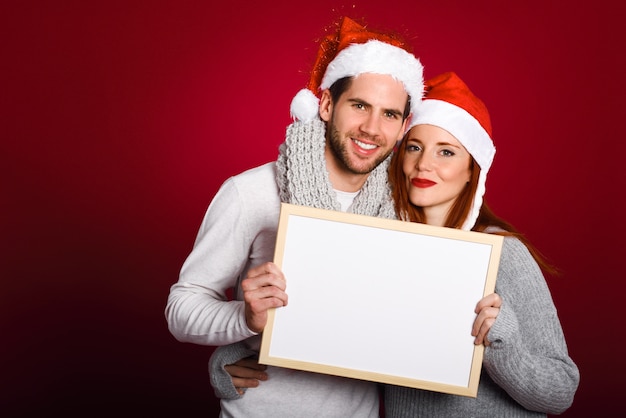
<point x="335" y="157"/>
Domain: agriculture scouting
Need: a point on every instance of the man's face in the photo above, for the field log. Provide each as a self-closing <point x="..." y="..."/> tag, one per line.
<point x="364" y="125"/>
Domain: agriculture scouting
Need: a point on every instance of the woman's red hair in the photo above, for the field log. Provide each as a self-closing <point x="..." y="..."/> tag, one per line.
<point x="460" y="209"/>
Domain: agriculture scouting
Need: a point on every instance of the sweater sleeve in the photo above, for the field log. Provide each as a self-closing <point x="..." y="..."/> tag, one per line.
<point x="197" y="309"/>
<point x="528" y="355"/>
<point x="221" y="381"/>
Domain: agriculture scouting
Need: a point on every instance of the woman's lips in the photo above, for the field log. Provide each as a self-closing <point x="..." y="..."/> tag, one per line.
<point x="422" y="183"/>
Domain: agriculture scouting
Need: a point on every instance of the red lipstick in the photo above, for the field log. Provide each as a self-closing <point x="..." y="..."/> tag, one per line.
<point x="422" y="183"/>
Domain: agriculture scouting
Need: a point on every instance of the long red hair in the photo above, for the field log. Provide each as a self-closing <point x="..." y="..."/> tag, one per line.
<point x="459" y="211"/>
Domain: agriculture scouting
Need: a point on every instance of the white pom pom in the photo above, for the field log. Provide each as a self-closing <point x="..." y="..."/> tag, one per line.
<point x="304" y="106"/>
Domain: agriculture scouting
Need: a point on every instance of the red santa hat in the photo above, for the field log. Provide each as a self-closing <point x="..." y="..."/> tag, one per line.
<point x="354" y="50"/>
<point x="450" y="105"/>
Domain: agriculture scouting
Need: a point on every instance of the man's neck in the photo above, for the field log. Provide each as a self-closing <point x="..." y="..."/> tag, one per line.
<point x="347" y="182"/>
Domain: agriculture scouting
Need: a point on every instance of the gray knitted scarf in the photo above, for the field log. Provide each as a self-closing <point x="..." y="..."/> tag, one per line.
<point x="303" y="179"/>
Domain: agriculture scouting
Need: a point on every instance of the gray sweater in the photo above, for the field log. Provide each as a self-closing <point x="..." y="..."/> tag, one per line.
<point x="527" y="371"/>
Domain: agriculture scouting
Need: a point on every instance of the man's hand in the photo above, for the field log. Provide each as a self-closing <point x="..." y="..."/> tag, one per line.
<point x="246" y="374"/>
<point x="263" y="289"/>
<point x="487" y="310"/>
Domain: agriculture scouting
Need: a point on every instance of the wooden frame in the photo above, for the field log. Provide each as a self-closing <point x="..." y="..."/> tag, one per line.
<point x="380" y="300"/>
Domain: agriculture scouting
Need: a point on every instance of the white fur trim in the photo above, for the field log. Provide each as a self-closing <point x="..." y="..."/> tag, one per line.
<point x="304" y="106"/>
<point x="466" y="129"/>
<point x="380" y="58"/>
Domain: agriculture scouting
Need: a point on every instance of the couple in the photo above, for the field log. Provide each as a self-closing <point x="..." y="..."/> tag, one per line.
<point x="338" y="155"/>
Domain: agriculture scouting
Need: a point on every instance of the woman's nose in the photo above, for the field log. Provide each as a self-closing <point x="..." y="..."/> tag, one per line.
<point x="424" y="162"/>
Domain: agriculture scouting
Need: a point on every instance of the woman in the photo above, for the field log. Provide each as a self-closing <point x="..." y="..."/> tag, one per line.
<point x="438" y="177"/>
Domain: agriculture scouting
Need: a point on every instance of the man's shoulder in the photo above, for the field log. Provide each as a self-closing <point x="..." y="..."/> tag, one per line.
<point x="257" y="182"/>
<point x="261" y="172"/>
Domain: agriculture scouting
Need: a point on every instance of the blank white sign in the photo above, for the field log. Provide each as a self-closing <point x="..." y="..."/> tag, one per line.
<point x="380" y="300"/>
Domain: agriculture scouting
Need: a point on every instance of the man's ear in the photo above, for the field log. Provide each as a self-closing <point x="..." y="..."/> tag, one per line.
<point x="326" y="106"/>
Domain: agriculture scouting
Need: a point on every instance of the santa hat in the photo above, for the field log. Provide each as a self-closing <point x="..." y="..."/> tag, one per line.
<point x="450" y="105"/>
<point x="354" y="50"/>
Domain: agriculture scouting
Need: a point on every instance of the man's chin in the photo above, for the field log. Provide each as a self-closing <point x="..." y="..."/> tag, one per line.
<point x="361" y="168"/>
<point x="361" y="165"/>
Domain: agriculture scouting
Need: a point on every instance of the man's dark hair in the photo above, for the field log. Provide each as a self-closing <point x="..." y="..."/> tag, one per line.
<point x="343" y="84"/>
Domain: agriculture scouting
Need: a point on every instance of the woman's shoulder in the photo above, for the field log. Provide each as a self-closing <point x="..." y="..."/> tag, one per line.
<point x="510" y="240"/>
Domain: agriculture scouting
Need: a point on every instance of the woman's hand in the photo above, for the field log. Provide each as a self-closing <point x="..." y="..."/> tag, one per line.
<point x="246" y="373"/>
<point x="486" y="310"/>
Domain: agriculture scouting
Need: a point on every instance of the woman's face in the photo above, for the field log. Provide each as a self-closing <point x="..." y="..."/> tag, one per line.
<point x="437" y="168"/>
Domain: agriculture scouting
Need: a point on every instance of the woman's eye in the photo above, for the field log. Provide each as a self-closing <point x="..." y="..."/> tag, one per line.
<point x="447" y="153"/>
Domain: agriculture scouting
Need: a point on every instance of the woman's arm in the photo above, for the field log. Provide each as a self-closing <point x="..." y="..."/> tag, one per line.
<point x="528" y="354"/>
<point x="234" y="368"/>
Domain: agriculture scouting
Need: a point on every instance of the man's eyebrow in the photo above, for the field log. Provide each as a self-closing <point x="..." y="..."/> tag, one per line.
<point x="359" y="101"/>
<point x="395" y="112"/>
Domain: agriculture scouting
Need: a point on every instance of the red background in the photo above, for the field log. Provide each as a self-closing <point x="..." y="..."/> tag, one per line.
<point x="120" y="120"/>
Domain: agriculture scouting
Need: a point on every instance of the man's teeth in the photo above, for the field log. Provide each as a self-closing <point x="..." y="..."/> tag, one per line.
<point x="364" y="145"/>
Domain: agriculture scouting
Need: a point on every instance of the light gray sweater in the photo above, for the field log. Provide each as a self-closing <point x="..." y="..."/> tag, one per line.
<point x="239" y="232"/>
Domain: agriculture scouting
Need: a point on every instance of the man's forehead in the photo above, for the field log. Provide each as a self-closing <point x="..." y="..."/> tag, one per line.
<point x="381" y="87"/>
